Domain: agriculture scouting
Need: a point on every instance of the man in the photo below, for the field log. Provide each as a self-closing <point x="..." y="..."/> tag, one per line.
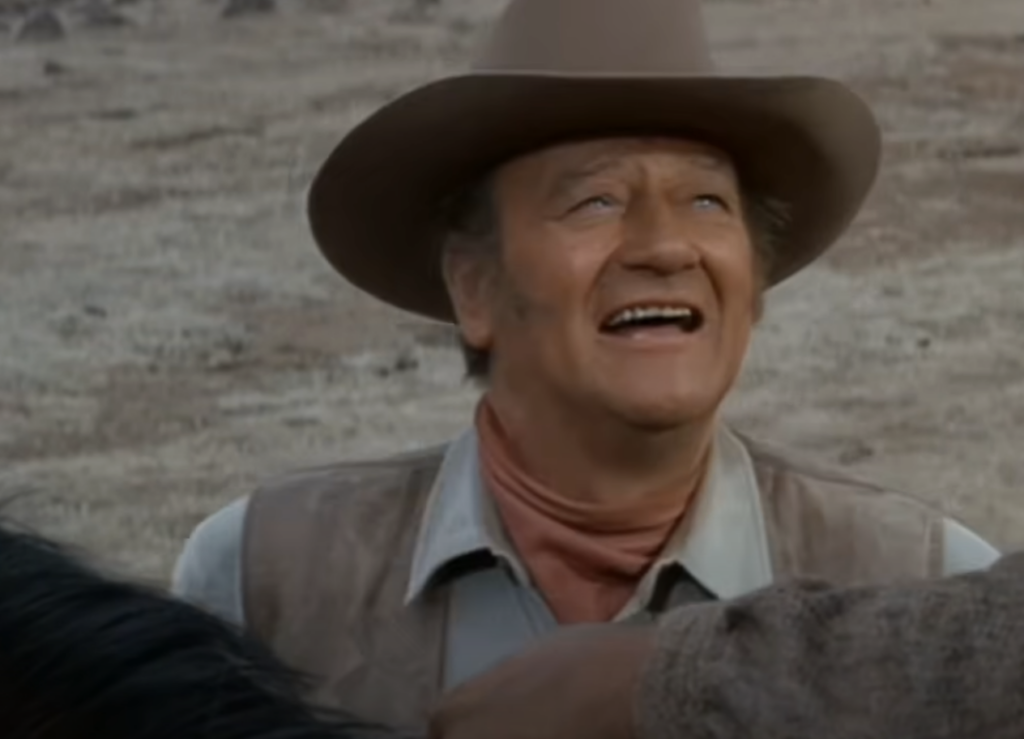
<point x="599" y="212"/>
<point x="935" y="659"/>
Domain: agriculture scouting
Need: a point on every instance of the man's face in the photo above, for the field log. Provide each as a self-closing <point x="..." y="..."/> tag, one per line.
<point x="626" y="280"/>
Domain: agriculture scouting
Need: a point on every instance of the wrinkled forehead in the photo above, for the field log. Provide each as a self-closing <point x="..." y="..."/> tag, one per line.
<point x="566" y="164"/>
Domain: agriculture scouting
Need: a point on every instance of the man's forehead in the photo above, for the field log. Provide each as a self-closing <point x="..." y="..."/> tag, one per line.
<point x="563" y="165"/>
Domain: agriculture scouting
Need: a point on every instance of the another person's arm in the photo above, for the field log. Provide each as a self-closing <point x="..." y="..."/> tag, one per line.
<point x="941" y="658"/>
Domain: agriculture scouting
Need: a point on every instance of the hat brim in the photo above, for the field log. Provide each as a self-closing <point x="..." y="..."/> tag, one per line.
<point x="373" y="207"/>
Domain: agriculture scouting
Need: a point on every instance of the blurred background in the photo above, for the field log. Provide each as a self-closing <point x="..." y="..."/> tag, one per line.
<point x="169" y="334"/>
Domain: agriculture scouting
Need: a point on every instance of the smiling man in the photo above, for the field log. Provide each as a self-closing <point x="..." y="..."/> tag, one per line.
<point x="599" y="211"/>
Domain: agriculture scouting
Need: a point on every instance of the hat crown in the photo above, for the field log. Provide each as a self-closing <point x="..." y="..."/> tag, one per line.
<point x="618" y="37"/>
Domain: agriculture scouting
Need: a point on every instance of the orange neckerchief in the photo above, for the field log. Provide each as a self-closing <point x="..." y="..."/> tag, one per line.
<point x="585" y="558"/>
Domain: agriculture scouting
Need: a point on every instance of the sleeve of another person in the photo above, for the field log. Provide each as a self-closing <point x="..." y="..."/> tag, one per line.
<point x="931" y="658"/>
<point x="208" y="572"/>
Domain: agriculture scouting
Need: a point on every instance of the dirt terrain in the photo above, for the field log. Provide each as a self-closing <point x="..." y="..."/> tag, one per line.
<point x="170" y="335"/>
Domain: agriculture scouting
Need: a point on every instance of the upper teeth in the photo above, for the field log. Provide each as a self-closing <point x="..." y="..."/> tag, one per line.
<point x="641" y="314"/>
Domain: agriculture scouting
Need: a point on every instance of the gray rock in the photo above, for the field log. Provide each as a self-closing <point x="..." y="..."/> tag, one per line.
<point x="416" y="11"/>
<point x="54" y="69"/>
<point x="14" y="7"/>
<point x="236" y="8"/>
<point x="41" y="25"/>
<point x="99" y="14"/>
<point x="327" y="7"/>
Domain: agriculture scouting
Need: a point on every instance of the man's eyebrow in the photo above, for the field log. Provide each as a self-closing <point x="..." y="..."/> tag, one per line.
<point x="711" y="162"/>
<point x="573" y="177"/>
<point x="566" y="181"/>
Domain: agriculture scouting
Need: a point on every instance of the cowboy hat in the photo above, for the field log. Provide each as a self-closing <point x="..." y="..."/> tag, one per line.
<point x="556" y="70"/>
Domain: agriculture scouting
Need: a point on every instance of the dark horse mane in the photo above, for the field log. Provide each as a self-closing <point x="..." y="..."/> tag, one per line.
<point x="86" y="656"/>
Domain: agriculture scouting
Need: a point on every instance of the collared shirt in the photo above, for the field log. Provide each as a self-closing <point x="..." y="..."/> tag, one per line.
<point x="721" y="545"/>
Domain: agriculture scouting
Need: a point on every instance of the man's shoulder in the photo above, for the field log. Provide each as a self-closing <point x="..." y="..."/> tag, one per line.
<point x="827" y="523"/>
<point x="776" y="466"/>
<point x="355" y="478"/>
<point x="793" y="483"/>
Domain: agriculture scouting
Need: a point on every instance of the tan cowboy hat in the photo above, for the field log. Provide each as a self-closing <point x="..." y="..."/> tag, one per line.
<point x="556" y="70"/>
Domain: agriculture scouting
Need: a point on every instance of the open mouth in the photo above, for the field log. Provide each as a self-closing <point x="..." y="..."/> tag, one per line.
<point x="682" y="318"/>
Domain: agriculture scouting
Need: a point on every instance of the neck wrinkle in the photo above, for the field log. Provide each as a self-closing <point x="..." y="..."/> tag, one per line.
<point x="509" y="471"/>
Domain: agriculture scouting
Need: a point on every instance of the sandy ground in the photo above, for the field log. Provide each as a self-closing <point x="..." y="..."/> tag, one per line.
<point x="169" y="334"/>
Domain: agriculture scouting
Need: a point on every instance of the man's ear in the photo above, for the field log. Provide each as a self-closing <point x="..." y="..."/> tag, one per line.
<point x="470" y="281"/>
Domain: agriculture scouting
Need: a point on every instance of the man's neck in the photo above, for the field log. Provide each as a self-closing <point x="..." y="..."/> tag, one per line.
<point x="600" y="459"/>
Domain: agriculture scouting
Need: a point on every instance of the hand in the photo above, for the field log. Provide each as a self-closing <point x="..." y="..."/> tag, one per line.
<point x="578" y="683"/>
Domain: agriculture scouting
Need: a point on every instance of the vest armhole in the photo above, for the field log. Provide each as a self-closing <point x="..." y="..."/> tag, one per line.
<point x="252" y="580"/>
<point x="271" y="520"/>
<point x="936" y="546"/>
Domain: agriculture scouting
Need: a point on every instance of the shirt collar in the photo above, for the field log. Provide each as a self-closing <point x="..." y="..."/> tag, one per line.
<point x="459" y="518"/>
<point x="722" y="542"/>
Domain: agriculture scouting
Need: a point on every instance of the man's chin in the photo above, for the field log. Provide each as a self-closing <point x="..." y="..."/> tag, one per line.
<point x="658" y="416"/>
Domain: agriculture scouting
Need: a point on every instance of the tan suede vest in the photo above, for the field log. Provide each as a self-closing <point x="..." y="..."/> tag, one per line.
<point x="328" y="555"/>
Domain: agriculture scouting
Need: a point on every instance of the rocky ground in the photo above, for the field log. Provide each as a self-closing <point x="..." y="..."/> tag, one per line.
<point x="169" y="334"/>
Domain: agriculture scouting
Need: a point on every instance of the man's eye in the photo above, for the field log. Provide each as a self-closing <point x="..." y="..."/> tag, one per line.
<point x="708" y="201"/>
<point x="598" y="202"/>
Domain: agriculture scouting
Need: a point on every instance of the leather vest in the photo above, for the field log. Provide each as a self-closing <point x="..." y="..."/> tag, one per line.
<point x="327" y="556"/>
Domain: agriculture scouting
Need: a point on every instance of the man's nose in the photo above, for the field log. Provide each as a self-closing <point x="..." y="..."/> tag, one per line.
<point x="658" y="238"/>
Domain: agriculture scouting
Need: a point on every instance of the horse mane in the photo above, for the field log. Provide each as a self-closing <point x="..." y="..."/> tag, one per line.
<point x="85" y="655"/>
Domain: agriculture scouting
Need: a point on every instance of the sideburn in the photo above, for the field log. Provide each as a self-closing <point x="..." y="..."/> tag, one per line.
<point x="512" y="302"/>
